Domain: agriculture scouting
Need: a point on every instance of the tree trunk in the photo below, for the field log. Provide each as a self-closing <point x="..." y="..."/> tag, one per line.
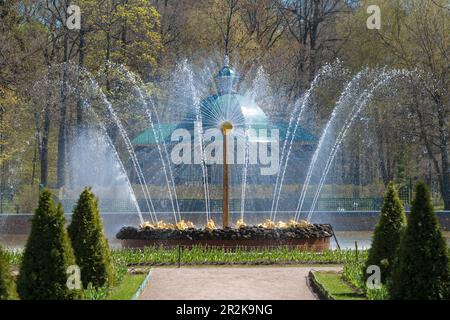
<point x="37" y="121"/>
<point x="44" y="142"/>
<point x="3" y="171"/>
<point x="443" y="148"/>
<point x="81" y="46"/>
<point x="313" y="40"/>
<point x="382" y="161"/>
<point x="107" y="58"/>
<point x="357" y="172"/>
<point x="62" y="121"/>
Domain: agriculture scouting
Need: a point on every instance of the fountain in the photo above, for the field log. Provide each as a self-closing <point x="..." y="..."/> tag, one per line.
<point x="210" y="172"/>
<point x="232" y="186"/>
<point x="240" y="122"/>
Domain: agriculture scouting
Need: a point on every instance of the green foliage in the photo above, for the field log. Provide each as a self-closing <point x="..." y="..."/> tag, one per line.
<point x="388" y="233"/>
<point x="47" y="255"/>
<point x="124" y="290"/>
<point x="6" y="281"/>
<point x="354" y="273"/>
<point x="89" y="242"/>
<point x="378" y="294"/>
<point x="210" y="255"/>
<point x="422" y="270"/>
<point x="93" y="293"/>
<point x="106" y="291"/>
<point x="125" y="32"/>
<point x="14" y="256"/>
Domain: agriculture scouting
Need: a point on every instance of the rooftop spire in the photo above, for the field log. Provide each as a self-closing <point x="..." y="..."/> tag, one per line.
<point x="226" y="60"/>
<point x="226" y="79"/>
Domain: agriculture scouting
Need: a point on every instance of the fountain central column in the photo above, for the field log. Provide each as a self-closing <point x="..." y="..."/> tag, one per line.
<point x="226" y="128"/>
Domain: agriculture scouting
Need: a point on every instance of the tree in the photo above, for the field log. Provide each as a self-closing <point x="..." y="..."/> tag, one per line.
<point x="388" y="233"/>
<point x="422" y="270"/>
<point x="310" y="23"/>
<point x="89" y="243"/>
<point x="47" y="256"/>
<point x="6" y="280"/>
<point x="124" y="32"/>
<point x="414" y="36"/>
<point x="18" y="66"/>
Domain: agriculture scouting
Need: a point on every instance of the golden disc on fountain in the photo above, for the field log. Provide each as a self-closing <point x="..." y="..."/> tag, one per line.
<point x="226" y="127"/>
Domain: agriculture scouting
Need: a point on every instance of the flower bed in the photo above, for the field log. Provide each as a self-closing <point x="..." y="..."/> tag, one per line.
<point x="314" y="236"/>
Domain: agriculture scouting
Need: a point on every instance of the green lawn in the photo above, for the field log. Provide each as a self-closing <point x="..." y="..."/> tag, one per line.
<point x="336" y="287"/>
<point x="127" y="287"/>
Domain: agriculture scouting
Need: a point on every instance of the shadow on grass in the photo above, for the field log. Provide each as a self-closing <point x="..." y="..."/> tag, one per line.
<point x="348" y="296"/>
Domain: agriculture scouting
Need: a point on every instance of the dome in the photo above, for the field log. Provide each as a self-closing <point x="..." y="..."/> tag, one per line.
<point x="227" y="106"/>
<point x="234" y="108"/>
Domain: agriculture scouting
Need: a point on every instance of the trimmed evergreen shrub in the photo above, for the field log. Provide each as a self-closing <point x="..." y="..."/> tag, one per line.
<point x="47" y="256"/>
<point x="388" y="233"/>
<point x="89" y="242"/>
<point x="422" y="269"/>
<point x="6" y="280"/>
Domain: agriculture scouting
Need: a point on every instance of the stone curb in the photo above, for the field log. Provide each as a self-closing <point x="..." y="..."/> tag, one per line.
<point x="142" y="287"/>
<point x="318" y="288"/>
<point x="243" y="263"/>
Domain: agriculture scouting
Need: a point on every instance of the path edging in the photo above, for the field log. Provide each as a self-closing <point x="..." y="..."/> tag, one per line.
<point x="142" y="287"/>
<point x="318" y="288"/>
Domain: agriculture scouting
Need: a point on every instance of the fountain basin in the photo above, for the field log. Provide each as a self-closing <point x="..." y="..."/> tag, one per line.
<point x="312" y="237"/>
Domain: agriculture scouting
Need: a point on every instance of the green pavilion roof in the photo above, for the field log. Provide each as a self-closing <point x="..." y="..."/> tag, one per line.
<point x="147" y="138"/>
<point x="226" y="105"/>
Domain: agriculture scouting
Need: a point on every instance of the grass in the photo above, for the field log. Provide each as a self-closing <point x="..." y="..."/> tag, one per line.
<point x="127" y="288"/>
<point x="125" y="285"/>
<point x="336" y="287"/>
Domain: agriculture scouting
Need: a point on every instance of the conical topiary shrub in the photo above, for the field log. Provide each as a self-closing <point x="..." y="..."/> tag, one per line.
<point x="422" y="269"/>
<point x="6" y="281"/>
<point x="89" y="243"/>
<point x="388" y="233"/>
<point x="47" y="256"/>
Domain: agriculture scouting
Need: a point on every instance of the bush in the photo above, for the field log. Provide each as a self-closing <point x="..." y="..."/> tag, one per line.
<point x="47" y="255"/>
<point x="89" y="243"/>
<point x="422" y="269"/>
<point x="6" y="281"/>
<point x="388" y="233"/>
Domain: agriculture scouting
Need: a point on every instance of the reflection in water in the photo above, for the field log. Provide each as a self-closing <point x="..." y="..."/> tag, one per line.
<point x="347" y="239"/>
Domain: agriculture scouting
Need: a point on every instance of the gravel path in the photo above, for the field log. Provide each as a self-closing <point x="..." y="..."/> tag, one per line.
<point x="228" y="283"/>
